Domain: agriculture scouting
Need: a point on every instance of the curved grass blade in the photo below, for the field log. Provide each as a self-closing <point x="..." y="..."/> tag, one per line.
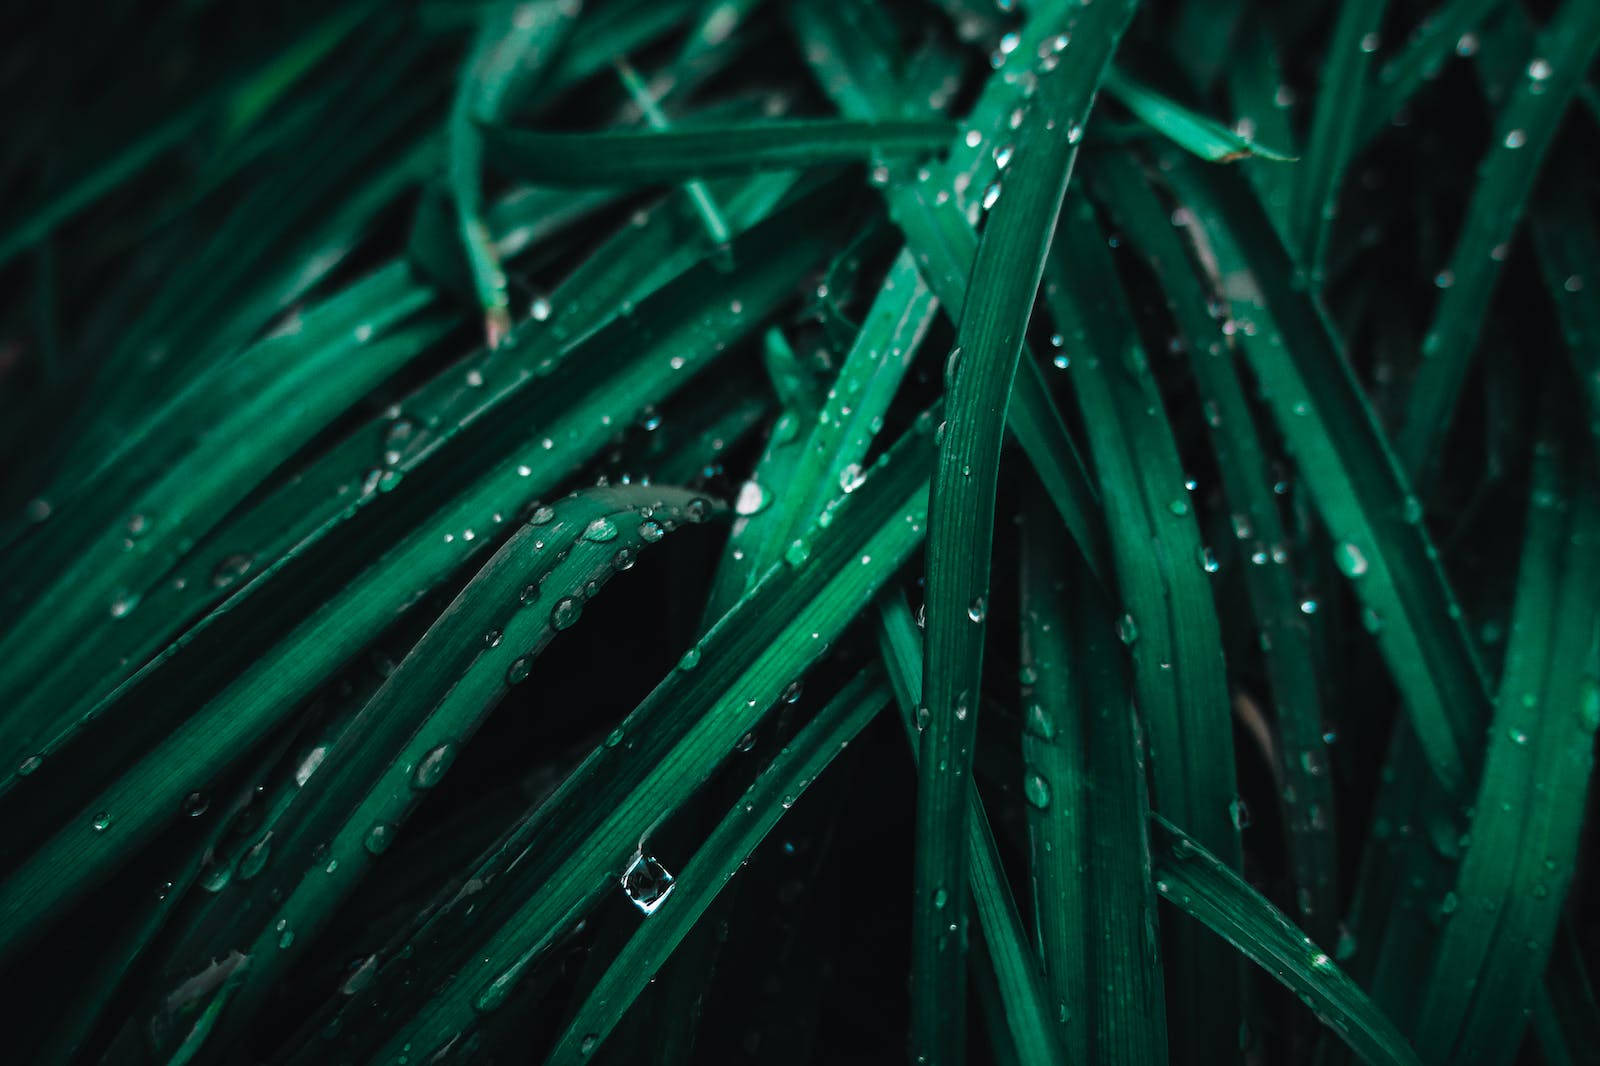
<point x="1525" y="843"/>
<point x="1285" y="638"/>
<point x="1353" y="478"/>
<point x="1169" y="621"/>
<point x="1005" y="279"/>
<point x="668" y="156"/>
<point x="1203" y="887"/>
<point x="1200" y="136"/>
<point x="583" y="837"/>
<point x="690" y="336"/>
<point x="1093" y="906"/>
<point x="402" y="743"/>
<point x="1331" y="143"/>
<point x="514" y="44"/>
<point x="715" y="862"/>
<point x="1021" y="986"/>
<point x="1523" y="132"/>
<point x="363" y="470"/>
<point x="939" y="226"/>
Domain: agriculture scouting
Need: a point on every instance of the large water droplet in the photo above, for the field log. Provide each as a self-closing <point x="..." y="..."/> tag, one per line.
<point x="564" y="615"/>
<point x="601" y="530"/>
<point x="431" y="770"/>
<point x="1036" y="788"/>
<point x="647" y="883"/>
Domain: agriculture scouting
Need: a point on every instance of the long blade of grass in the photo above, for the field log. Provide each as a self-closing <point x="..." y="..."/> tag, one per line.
<point x="1093" y="904"/>
<point x="1523" y="132"/>
<point x="1005" y="279"/>
<point x="1196" y="134"/>
<point x="1355" y="483"/>
<point x="1204" y="887"/>
<point x="579" y="840"/>
<point x="1168" y="619"/>
<point x="1285" y="637"/>
<point x="146" y="797"/>
<point x="1262" y="100"/>
<point x="656" y="158"/>
<point x="1530" y="805"/>
<point x="402" y="744"/>
<point x="1021" y="987"/>
<point x="1439" y="35"/>
<point x="715" y="862"/>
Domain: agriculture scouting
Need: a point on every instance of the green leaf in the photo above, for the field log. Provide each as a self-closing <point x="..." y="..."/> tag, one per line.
<point x="1382" y="547"/>
<point x="1523" y="132"/>
<point x="1525" y="846"/>
<point x="657" y="158"/>
<point x="1167" y="617"/>
<point x="1005" y="278"/>
<point x="1209" y="140"/>
<point x="1083" y="779"/>
<point x="1201" y="885"/>
<point x="715" y="862"/>
<point x="1257" y="526"/>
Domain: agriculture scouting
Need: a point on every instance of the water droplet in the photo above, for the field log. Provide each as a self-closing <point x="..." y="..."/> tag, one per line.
<point x="1308" y="606"/>
<point x="940" y="898"/>
<point x="1349" y="559"/>
<point x="752" y="499"/>
<point x="1179" y="507"/>
<point x="588" y="1043"/>
<point x="976" y="609"/>
<point x="647" y="883"/>
<point x="1036" y="789"/>
<point x="1208" y="559"/>
<point x="431" y="770"/>
<point x="1539" y="69"/>
<point x="1516" y="139"/>
<point x="1239" y="813"/>
<point x="542" y="516"/>
<point x="540" y="308"/>
<point x="230" y="569"/>
<point x="601" y="530"/>
<point x="29" y="765"/>
<point x="1369" y="43"/>
<point x="1467" y="45"/>
<point x="102" y="822"/>
<point x="255" y="858"/>
<point x="378" y="838"/>
<point x="1518" y="737"/>
<point x="691" y="659"/>
<point x="1074" y="133"/>
<point x="697" y="510"/>
<point x="564" y="615"/>
<point x="650" y="531"/>
<point x="1127" y="629"/>
<point x="519" y="670"/>
<point x="195" y="804"/>
<point x="791" y="694"/>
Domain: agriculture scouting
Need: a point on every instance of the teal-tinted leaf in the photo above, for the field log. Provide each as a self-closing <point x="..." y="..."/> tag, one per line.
<point x="1202" y="886"/>
<point x="628" y="158"/>
<point x="1210" y="140"/>
<point x="979" y="374"/>
<point x="1523" y="132"/>
<point x="716" y="861"/>
<point x="1524" y="846"/>
<point x="1354" y="481"/>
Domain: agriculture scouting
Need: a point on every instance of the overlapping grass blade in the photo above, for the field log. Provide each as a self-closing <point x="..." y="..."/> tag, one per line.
<point x="994" y="317"/>
<point x="565" y="853"/>
<point x="655" y="158"/>
<point x="689" y="334"/>
<point x="1435" y="39"/>
<point x="1021" y="987"/>
<point x="1269" y="576"/>
<point x="1093" y="905"/>
<point x="1262" y="100"/>
<point x="364" y="469"/>
<point x="1194" y="133"/>
<point x="715" y="862"/>
<point x="404" y="740"/>
<point x="514" y="44"/>
<point x="1168" y="619"/>
<point x="1525" y="828"/>
<point x="1355" y="483"/>
<point x="1202" y="886"/>
<point x="1523" y="132"/>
